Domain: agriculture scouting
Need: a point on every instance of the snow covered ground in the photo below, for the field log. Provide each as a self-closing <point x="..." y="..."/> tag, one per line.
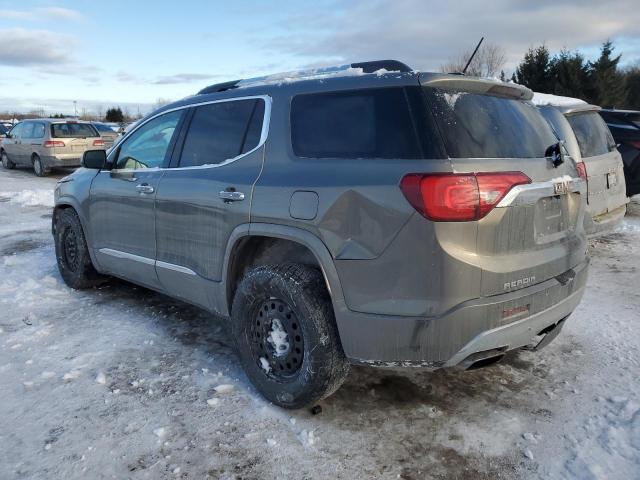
<point x="121" y="382"/>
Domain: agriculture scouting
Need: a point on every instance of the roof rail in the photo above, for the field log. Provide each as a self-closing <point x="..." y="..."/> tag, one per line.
<point x="375" y="65"/>
<point x="219" y="87"/>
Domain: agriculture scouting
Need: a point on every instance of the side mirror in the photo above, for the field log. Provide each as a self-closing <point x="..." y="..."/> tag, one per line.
<point x="95" y="159"/>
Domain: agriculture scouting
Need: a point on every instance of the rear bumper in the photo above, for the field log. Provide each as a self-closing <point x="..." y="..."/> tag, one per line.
<point x="62" y="161"/>
<point x="605" y="223"/>
<point x="471" y="328"/>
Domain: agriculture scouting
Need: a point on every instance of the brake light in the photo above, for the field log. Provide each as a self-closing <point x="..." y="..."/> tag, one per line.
<point x="582" y="170"/>
<point x="98" y="143"/>
<point x="53" y="143"/>
<point x="456" y="197"/>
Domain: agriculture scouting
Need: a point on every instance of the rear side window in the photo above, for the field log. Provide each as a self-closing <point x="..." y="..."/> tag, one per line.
<point x="366" y="123"/>
<point x="27" y="130"/>
<point x="221" y="131"/>
<point x="594" y="137"/>
<point x="73" y="130"/>
<point x="483" y="126"/>
<point x="38" y="130"/>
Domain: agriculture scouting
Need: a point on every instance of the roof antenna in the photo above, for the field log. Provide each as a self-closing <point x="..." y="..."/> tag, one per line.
<point x="464" y="70"/>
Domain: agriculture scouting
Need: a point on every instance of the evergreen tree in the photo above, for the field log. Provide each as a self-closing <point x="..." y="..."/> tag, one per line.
<point x="570" y="75"/>
<point x="534" y="71"/>
<point x="632" y="85"/>
<point x="606" y="81"/>
<point x="114" y="115"/>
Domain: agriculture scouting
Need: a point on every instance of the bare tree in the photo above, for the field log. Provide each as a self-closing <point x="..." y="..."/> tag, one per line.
<point x="487" y="63"/>
<point x="161" y="102"/>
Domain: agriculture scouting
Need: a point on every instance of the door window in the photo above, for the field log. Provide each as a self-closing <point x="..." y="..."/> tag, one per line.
<point x="221" y="131"/>
<point x="16" y="131"/>
<point x="27" y="130"/>
<point x="148" y="146"/>
<point x="38" y="130"/>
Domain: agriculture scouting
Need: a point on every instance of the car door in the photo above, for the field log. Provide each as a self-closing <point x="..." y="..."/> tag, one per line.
<point x="121" y="203"/>
<point x="11" y="145"/>
<point x="207" y="193"/>
<point x="26" y="140"/>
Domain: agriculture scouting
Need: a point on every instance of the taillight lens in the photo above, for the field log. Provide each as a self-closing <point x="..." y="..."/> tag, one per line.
<point x="582" y="170"/>
<point x="98" y="143"/>
<point x="53" y="143"/>
<point x="456" y="197"/>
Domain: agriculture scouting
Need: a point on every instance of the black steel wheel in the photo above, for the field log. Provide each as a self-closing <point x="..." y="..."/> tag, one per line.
<point x="286" y="334"/>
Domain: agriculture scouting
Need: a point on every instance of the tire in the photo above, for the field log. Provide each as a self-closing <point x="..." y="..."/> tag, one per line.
<point x="6" y="163"/>
<point x="292" y="298"/>
<point x="38" y="167"/>
<point x="72" y="254"/>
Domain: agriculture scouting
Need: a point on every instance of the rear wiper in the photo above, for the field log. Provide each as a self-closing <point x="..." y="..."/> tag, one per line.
<point x="554" y="152"/>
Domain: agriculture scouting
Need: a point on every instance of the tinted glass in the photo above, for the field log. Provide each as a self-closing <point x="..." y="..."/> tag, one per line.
<point x="219" y="131"/>
<point x="148" y="146"/>
<point x="27" y="130"/>
<point x="38" y="130"/>
<point x="73" y="130"/>
<point x="483" y="126"/>
<point x="254" y="131"/>
<point x="3" y="129"/>
<point x="103" y="128"/>
<point x="16" y="131"/>
<point x="592" y="133"/>
<point x="366" y="123"/>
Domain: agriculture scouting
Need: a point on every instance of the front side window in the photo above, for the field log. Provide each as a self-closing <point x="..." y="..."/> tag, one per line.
<point x="222" y="131"/>
<point x="16" y="131"/>
<point x="149" y="144"/>
<point x="484" y="126"/>
<point x="365" y="123"/>
<point x="594" y="137"/>
<point x="73" y="130"/>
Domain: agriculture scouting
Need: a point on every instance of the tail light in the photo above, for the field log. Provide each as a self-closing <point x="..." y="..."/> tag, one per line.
<point x="53" y="143"/>
<point x="582" y="170"/>
<point x="98" y="143"/>
<point x="456" y="197"/>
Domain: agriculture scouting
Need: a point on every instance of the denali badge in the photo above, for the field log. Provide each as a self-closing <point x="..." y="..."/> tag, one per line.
<point x="523" y="282"/>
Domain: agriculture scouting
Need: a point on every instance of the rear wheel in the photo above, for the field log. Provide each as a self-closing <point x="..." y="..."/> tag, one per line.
<point x="72" y="253"/>
<point x="39" y="168"/>
<point x="286" y="335"/>
<point x="6" y="163"/>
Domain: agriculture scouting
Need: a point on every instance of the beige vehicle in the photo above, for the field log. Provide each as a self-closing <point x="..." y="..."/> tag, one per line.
<point x="590" y="143"/>
<point x="44" y="144"/>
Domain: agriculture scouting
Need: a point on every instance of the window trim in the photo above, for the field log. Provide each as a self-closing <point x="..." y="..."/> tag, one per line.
<point x="263" y="136"/>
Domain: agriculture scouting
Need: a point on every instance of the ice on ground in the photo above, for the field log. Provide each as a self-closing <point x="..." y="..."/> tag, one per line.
<point x="101" y="378"/>
<point x="278" y="338"/>
<point x="212" y="402"/>
<point x="48" y="374"/>
<point x="542" y="99"/>
<point x="224" y="388"/>
<point x="72" y="375"/>
<point x="160" y="432"/>
<point x="30" y="198"/>
<point x="264" y="363"/>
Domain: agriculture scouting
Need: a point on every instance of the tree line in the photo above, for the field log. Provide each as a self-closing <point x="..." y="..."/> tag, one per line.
<point x="600" y="82"/>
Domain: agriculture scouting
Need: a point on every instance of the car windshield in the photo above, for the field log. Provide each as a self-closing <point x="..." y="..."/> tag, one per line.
<point x="73" y="130"/>
<point x="483" y="126"/>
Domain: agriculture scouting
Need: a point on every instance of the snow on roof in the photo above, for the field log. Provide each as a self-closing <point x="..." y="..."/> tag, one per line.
<point x="541" y="99"/>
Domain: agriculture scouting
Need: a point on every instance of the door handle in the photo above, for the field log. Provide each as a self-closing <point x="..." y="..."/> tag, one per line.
<point x="231" y="196"/>
<point x="144" y="188"/>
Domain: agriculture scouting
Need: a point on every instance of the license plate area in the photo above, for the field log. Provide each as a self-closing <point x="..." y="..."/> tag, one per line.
<point x="550" y="217"/>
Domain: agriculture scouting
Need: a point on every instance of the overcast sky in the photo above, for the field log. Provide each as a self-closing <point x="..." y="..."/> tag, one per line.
<point x="131" y="53"/>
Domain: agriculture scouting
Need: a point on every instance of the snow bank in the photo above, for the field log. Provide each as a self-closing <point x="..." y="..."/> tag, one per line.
<point x="541" y="99"/>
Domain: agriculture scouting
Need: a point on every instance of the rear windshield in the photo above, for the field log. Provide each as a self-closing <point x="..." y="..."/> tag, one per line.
<point x="594" y="137"/>
<point x="483" y="126"/>
<point x="73" y="130"/>
<point x="364" y="123"/>
<point x="103" y="128"/>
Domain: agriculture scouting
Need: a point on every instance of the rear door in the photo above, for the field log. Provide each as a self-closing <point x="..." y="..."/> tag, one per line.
<point x="121" y="203"/>
<point x="535" y="232"/>
<point x="605" y="170"/>
<point x="207" y="193"/>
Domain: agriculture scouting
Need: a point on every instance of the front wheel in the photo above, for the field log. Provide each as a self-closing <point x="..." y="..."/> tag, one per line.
<point x="286" y="335"/>
<point x="72" y="253"/>
<point x="6" y="163"/>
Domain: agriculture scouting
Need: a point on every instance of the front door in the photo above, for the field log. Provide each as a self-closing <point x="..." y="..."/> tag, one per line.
<point x="207" y="194"/>
<point x="121" y="210"/>
<point x="11" y="145"/>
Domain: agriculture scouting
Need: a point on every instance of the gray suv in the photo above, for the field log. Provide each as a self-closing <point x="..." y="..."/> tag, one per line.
<point x="43" y="144"/>
<point x="348" y="215"/>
